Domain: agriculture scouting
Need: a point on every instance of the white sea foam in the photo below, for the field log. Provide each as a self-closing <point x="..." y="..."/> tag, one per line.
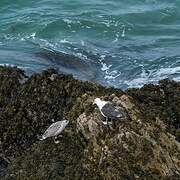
<point x="80" y="55"/>
<point x="101" y="59"/>
<point x="115" y="40"/>
<point x="68" y="21"/>
<point x="107" y="24"/>
<point x="33" y="35"/>
<point x="123" y="32"/>
<point x="45" y="44"/>
<point x="65" y="41"/>
<point x="82" y="43"/>
<point x="109" y="74"/>
<point x="112" y="77"/>
<point x="153" y="76"/>
<point x="9" y="65"/>
<point x="105" y="67"/>
<point x="14" y="65"/>
<point x="168" y="71"/>
<point x="22" y="39"/>
<point x="137" y="82"/>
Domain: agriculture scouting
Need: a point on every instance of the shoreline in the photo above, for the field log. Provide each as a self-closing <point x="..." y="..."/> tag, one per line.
<point x="128" y="149"/>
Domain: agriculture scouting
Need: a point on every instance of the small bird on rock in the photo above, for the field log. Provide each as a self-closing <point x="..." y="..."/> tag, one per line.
<point x="54" y="130"/>
<point x="107" y="109"/>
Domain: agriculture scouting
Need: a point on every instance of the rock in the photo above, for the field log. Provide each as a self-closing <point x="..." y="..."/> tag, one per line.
<point x="160" y="101"/>
<point x="3" y="166"/>
<point x="143" y="144"/>
<point x="115" y="99"/>
<point x="53" y="77"/>
<point x="141" y="148"/>
<point x="112" y="96"/>
<point x="89" y="127"/>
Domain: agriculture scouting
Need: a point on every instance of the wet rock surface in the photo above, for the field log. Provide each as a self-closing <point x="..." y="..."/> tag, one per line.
<point x="143" y="144"/>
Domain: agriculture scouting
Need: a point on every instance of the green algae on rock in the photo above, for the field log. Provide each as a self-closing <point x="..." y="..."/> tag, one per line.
<point x="143" y="145"/>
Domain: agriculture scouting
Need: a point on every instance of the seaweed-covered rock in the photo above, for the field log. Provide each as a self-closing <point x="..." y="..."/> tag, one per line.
<point x="39" y="101"/>
<point x="10" y="80"/>
<point x="129" y="149"/>
<point x="162" y="102"/>
<point x="137" y="146"/>
<point x="3" y="166"/>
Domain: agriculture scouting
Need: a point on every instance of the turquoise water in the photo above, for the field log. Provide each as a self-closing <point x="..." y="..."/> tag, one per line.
<point x="121" y="43"/>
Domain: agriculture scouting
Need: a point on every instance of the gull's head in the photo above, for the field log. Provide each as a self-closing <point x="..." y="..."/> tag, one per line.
<point x="97" y="101"/>
<point x="100" y="103"/>
<point x="65" y="122"/>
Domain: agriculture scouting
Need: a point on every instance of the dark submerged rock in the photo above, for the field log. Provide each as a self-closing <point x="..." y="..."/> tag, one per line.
<point x="142" y="145"/>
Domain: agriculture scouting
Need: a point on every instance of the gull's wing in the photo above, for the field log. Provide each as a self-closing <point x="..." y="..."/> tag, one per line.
<point x="52" y="129"/>
<point x="110" y="111"/>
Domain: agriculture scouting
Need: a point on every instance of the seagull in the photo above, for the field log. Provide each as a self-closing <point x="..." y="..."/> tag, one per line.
<point x="107" y="110"/>
<point x="54" y="130"/>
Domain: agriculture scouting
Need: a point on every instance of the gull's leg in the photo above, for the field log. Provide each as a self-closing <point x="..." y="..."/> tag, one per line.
<point x="41" y="137"/>
<point x="106" y="123"/>
<point x="111" y="121"/>
<point x="56" y="141"/>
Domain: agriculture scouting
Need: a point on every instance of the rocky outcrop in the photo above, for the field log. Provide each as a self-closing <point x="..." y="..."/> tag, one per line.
<point x="130" y="148"/>
<point x="160" y="101"/>
<point x="140" y="145"/>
